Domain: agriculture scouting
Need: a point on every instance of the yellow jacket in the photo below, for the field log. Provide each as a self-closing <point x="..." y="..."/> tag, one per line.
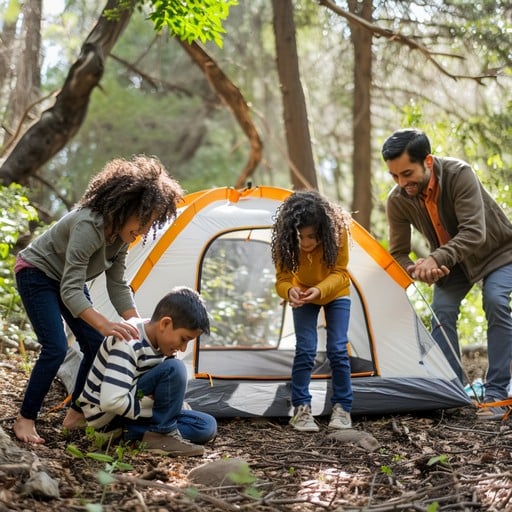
<point x="333" y="283"/>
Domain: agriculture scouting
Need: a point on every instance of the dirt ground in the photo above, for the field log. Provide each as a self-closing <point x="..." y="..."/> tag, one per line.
<point x="436" y="461"/>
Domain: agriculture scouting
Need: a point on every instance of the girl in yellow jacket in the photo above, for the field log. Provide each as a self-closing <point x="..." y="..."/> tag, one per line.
<point x="310" y="251"/>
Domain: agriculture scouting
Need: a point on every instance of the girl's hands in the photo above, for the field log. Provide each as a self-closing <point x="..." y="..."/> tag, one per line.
<point x="310" y="294"/>
<point x="294" y="297"/>
<point x="120" y="330"/>
<point x="298" y="297"/>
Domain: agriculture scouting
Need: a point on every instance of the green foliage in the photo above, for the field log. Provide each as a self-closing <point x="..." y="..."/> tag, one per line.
<point x="439" y="459"/>
<point x="386" y="470"/>
<point x="245" y="478"/>
<point x="194" y="19"/>
<point x="112" y="464"/>
<point x="15" y="215"/>
<point x="189" y="21"/>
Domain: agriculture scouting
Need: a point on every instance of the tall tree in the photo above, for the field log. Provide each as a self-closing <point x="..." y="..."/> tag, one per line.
<point x="361" y="113"/>
<point x="60" y="123"/>
<point x="298" y="138"/>
<point x="20" y="54"/>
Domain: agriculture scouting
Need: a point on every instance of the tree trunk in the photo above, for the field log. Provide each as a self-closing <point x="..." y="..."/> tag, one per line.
<point x="26" y="65"/>
<point x="60" y="123"/>
<point x="361" y="121"/>
<point x="298" y="139"/>
<point x="7" y="64"/>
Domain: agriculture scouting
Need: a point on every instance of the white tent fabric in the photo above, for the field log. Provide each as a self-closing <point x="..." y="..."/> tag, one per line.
<point x="219" y="245"/>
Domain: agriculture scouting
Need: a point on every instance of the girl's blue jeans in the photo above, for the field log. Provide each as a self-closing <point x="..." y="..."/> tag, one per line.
<point x="166" y="384"/>
<point x="496" y="294"/>
<point x="46" y="311"/>
<point x="305" y="319"/>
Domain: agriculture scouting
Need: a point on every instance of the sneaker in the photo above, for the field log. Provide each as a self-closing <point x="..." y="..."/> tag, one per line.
<point x="476" y="390"/>
<point x="492" y="413"/>
<point x="171" y="444"/>
<point x="340" y="419"/>
<point x="303" y="420"/>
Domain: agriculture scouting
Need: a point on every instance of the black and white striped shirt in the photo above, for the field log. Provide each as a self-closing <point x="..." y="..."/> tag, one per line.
<point x="110" y="388"/>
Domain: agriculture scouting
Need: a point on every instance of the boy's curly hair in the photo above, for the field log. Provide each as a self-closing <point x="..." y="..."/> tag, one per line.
<point x="140" y="186"/>
<point x="307" y="209"/>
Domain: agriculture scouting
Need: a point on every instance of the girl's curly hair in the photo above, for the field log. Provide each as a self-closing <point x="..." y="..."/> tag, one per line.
<point x="307" y="209"/>
<point x="140" y="186"/>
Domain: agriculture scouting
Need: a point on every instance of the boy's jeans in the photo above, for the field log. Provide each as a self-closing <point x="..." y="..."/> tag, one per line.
<point x="166" y="384"/>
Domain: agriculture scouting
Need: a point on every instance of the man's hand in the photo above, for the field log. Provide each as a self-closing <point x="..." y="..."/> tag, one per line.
<point x="427" y="270"/>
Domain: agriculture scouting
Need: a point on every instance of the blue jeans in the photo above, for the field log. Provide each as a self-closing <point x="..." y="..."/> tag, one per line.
<point x="496" y="294"/>
<point x="46" y="311"/>
<point x="305" y="320"/>
<point x="166" y="383"/>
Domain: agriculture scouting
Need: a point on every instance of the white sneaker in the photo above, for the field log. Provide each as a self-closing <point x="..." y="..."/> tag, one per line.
<point x="303" y="420"/>
<point x="340" y="419"/>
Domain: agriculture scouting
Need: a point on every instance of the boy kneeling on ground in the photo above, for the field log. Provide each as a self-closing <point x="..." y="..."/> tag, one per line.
<point x="136" y="388"/>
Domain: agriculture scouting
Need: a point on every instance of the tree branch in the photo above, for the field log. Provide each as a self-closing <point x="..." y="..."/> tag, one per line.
<point x="234" y="99"/>
<point x="61" y="122"/>
<point x="407" y="41"/>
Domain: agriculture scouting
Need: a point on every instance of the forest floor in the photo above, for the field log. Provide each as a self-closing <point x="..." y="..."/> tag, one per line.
<point x="435" y="461"/>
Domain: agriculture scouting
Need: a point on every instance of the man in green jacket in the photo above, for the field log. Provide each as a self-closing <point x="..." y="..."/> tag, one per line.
<point x="470" y="240"/>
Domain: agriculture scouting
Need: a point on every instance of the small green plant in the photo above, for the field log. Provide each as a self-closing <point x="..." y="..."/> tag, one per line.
<point x="386" y="470"/>
<point x="245" y="477"/>
<point x="439" y="459"/>
<point x="432" y="507"/>
<point x="112" y="464"/>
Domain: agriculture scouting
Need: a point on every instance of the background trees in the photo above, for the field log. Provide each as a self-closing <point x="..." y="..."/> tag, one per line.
<point x="365" y="68"/>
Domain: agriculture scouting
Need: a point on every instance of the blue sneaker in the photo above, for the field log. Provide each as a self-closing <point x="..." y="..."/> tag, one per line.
<point x="476" y="390"/>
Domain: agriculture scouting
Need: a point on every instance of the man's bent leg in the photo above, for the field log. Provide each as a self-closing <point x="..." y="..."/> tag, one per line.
<point x="446" y="306"/>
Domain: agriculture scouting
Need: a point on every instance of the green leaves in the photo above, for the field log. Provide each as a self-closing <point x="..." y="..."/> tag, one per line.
<point x="192" y="20"/>
<point x="15" y="215"/>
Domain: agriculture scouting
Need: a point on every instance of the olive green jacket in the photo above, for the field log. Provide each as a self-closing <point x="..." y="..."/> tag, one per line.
<point x="481" y="233"/>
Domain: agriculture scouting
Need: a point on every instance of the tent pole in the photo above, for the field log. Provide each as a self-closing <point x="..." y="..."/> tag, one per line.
<point x="447" y="339"/>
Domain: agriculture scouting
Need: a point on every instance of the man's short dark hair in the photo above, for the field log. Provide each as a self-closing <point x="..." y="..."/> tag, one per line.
<point x="412" y="141"/>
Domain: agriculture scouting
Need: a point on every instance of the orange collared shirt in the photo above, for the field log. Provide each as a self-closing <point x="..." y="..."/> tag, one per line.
<point x="430" y="198"/>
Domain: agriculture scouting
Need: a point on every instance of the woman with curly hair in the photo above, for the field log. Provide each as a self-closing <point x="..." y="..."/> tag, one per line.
<point x="310" y="251"/>
<point x="127" y="199"/>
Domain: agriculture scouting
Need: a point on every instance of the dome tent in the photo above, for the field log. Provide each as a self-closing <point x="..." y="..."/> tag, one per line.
<point x="219" y="244"/>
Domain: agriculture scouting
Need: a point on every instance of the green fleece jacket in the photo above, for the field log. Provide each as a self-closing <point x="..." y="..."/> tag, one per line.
<point x="74" y="251"/>
<point x="481" y="233"/>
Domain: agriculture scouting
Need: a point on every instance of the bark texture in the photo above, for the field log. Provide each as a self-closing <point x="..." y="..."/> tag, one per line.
<point x="361" y="110"/>
<point x="298" y="138"/>
<point x="58" y="124"/>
